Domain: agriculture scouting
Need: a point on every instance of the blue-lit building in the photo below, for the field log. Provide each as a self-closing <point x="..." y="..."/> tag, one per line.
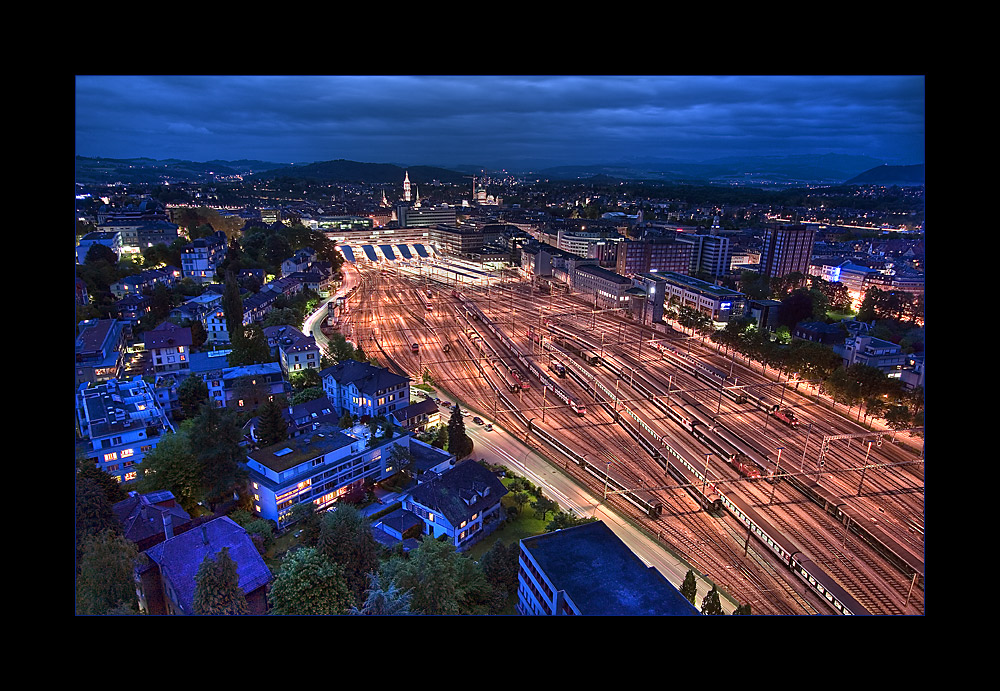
<point x="320" y="467"/>
<point x="588" y="570"/>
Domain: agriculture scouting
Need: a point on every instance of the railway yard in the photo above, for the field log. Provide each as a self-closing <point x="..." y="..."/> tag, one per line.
<point x="801" y="513"/>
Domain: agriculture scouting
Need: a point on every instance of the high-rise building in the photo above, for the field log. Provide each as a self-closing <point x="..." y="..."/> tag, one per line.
<point x="643" y="256"/>
<point x="787" y="249"/>
<point x="710" y="255"/>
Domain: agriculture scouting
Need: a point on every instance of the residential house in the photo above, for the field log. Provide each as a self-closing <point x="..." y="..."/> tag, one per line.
<point x="197" y="308"/>
<point x="247" y="386"/>
<point x="132" y="309"/>
<point x="462" y="503"/>
<point x="363" y="389"/>
<point x="419" y="416"/>
<point x="166" y="581"/>
<point x="143" y="283"/>
<point x="169" y="347"/>
<point x="149" y="519"/>
<point x="295" y="351"/>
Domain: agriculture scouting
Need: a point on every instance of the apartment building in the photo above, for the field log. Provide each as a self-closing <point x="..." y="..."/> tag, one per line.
<point x="100" y="348"/>
<point x="201" y="258"/>
<point x="118" y="423"/>
<point x="319" y="467"/>
<point x="588" y="570"/>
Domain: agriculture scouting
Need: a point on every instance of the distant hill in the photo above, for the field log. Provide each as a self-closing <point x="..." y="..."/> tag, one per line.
<point x="342" y="170"/>
<point x="764" y="171"/>
<point x="151" y="171"/>
<point x="890" y="175"/>
<point x="742" y="170"/>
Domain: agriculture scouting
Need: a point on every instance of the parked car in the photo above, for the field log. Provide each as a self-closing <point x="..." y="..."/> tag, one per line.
<point x="477" y="420"/>
<point x="488" y="427"/>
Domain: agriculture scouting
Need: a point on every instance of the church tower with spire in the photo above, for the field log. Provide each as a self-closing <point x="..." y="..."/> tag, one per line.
<point x="406" y="187"/>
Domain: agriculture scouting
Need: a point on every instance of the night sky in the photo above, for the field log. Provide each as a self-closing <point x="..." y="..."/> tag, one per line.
<point x="512" y="122"/>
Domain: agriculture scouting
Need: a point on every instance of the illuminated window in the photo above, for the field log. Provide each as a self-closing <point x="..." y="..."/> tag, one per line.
<point x="127" y="452"/>
<point x="129" y="476"/>
<point x="113" y="456"/>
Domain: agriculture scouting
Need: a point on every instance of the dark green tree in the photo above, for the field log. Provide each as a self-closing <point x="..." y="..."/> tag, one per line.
<point x="112" y="489"/>
<point x="499" y="565"/>
<point x="106" y="580"/>
<point x="459" y="443"/>
<point x="743" y="610"/>
<point x="441" y="580"/>
<point x="271" y="427"/>
<point x="232" y="307"/>
<point x="249" y="346"/>
<point x="217" y="587"/>
<point x="172" y="465"/>
<point x="308" y="520"/>
<point x="544" y="506"/>
<point x="101" y="253"/>
<point x="93" y="511"/>
<point x="346" y="421"/>
<point x="441" y="438"/>
<point x="215" y="436"/>
<point x="309" y="584"/>
<point x="564" y="520"/>
<point x="383" y="600"/>
<point x="898" y="417"/>
<point x="689" y="588"/>
<point x="345" y="538"/>
<point x="306" y="395"/>
<point x="305" y="379"/>
<point x="192" y="393"/>
<point x="712" y="605"/>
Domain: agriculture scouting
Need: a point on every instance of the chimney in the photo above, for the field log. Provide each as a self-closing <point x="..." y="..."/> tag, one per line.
<point x="168" y="525"/>
<point x="204" y="534"/>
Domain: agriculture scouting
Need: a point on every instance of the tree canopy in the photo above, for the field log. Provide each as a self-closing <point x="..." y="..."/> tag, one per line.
<point x="217" y="587"/>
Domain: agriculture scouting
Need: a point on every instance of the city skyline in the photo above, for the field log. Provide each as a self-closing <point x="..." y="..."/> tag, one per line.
<point x="498" y="121"/>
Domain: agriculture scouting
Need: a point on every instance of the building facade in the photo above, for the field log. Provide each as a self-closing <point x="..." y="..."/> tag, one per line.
<point x="462" y="504"/>
<point x="200" y="260"/>
<point x="318" y="467"/>
<point x="721" y="304"/>
<point x="361" y="389"/>
<point x="118" y="423"/>
<point x="787" y="249"/>
<point x="100" y="350"/>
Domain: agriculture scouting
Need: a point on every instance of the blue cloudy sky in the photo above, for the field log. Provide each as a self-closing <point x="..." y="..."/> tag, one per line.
<point x="498" y="121"/>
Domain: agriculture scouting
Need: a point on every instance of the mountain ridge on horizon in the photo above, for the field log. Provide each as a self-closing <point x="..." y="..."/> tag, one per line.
<point x="789" y="169"/>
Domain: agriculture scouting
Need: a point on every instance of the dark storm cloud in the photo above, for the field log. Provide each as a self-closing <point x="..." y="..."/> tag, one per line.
<point x="498" y="120"/>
